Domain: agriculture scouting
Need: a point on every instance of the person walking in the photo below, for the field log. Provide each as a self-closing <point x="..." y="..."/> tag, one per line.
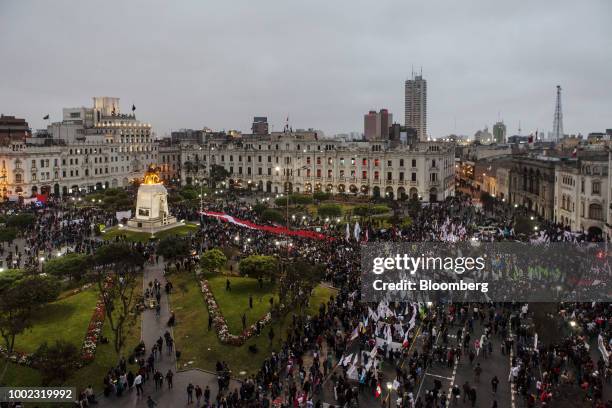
<point x="190" y="389"/>
<point x="207" y="395"/>
<point x="494" y="384"/>
<point x="477" y="372"/>
<point x="150" y="402"/>
<point x="169" y="376"/>
<point x="138" y="384"/>
<point x="198" y="395"/>
<point x="244" y="321"/>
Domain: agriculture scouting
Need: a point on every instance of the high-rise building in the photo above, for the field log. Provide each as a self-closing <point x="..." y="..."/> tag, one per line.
<point x="260" y="125"/>
<point x="376" y="124"/>
<point x="415" y="105"/>
<point x="557" y="133"/>
<point x="499" y="132"/>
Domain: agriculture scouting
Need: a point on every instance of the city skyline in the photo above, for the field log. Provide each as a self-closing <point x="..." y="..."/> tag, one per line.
<point x="178" y="77"/>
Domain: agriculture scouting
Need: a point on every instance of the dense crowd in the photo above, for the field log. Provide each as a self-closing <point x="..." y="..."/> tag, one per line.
<point x="347" y="351"/>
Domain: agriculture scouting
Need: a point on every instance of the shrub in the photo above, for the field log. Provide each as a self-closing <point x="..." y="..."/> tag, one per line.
<point x="321" y="196"/>
<point x="329" y="210"/>
<point x="258" y="266"/>
<point x="272" y="215"/>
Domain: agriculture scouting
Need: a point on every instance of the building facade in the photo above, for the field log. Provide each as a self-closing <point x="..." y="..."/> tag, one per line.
<point x="415" y="106"/>
<point x="581" y="194"/>
<point x="92" y="148"/>
<point x="532" y="184"/>
<point x="499" y="132"/>
<point x="302" y="163"/>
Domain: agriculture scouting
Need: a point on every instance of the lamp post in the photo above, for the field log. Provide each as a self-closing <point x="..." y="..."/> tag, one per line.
<point x="389" y="388"/>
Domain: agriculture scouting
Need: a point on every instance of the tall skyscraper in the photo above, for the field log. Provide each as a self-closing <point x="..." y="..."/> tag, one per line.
<point x="376" y="124"/>
<point x="557" y="133"/>
<point x="499" y="132"/>
<point x="415" y="105"/>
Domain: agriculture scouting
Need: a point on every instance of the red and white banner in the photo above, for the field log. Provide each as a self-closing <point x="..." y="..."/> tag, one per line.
<point x="266" y="228"/>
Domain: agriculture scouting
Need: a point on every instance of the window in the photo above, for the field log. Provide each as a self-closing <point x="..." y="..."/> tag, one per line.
<point x="389" y="176"/>
<point x="413" y="177"/>
<point x="308" y="160"/>
<point x="329" y="174"/>
<point x="376" y="175"/>
<point x="376" y="162"/>
<point x="595" y="212"/>
<point x="413" y="162"/>
<point x="364" y="175"/>
<point x="401" y="176"/>
<point x="596" y="187"/>
<point x="307" y="172"/>
<point x="352" y="161"/>
<point x="318" y="160"/>
<point x="401" y="162"/>
<point x="364" y="162"/>
<point x="433" y="177"/>
<point x="329" y="161"/>
<point x="318" y="172"/>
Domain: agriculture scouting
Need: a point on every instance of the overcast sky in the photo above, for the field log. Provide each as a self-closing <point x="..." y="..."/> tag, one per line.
<point x="189" y="64"/>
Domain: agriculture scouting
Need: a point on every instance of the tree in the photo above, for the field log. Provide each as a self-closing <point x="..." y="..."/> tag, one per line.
<point x="272" y="215"/>
<point x="487" y="200"/>
<point x="523" y="225"/>
<point x="414" y="206"/>
<point x="8" y="234"/>
<point x="217" y="174"/>
<point x="20" y="221"/>
<point x="329" y="210"/>
<point x="259" y="266"/>
<point x="71" y="266"/>
<point x="368" y="210"/>
<point x="212" y="260"/>
<point x="57" y="362"/>
<point x="259" y="208"/>
<point x="299" y="280"/>
<point x="20" y="300"/>
<point x="118" y="267"/>
<point x="321" y="195"/>
<point x="172" y="248"/>
<point x="8" y="277"/>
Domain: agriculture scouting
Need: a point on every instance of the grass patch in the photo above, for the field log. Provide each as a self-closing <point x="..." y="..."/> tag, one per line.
<point x="135" y="236"/>
<point x="68" y="319"/>
<point x="202" y="347"/>
<point x="65" y="319"/>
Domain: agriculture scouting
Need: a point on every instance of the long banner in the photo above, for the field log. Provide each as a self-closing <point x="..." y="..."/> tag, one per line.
<point x="266" y="228"/>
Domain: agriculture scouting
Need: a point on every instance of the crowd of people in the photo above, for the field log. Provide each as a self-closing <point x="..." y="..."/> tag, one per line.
<point x="347" y="351"/>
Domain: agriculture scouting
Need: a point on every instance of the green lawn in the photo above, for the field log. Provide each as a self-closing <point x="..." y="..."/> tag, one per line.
<point x="182" y="230"/>
<point x="65" y="319"/>
<point x="201" y="347"/>
<point x="68" y="319"/>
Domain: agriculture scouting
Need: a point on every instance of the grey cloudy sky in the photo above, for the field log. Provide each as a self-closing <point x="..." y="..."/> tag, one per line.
<point x="324" y="63"/>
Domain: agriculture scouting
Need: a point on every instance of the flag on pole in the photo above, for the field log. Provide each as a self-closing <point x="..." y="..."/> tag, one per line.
<point x="357" y="232"/>
<point x="378" y="390"/>
<point x="348" y="232"/>
<point x="46" y="117"/>
<point x="133" y="107"/>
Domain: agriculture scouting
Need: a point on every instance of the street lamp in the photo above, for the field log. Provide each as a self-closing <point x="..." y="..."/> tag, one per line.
<point x="389" y="389"/>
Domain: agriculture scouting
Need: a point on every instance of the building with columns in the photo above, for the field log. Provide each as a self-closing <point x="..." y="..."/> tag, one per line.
<point x="91" y="148"/>
<point x="301" y="162"/>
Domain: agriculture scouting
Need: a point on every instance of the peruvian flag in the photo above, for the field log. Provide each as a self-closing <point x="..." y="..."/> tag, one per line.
<point x="378" y="390"/>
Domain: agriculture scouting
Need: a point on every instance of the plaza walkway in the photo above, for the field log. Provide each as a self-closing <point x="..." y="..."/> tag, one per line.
<point x="152" y="328"/>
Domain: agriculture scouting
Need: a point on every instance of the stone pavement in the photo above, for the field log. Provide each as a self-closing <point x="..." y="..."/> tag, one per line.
<point x="152" y="328"/>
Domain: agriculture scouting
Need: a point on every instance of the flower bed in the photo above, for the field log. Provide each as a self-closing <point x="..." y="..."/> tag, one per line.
<point x="88" y="350"/>
<point x="220" y="324"/>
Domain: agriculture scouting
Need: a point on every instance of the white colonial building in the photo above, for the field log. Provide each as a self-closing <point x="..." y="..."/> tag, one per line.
<point x="301" y="162"/>
<point x="91" y="148"/>
<point x="581" y="193"/>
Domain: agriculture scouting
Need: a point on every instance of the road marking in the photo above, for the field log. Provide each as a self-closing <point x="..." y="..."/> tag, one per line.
<point x="439" y="376"/>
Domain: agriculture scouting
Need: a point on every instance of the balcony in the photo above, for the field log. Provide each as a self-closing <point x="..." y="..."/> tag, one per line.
<point x="434" y="183"/>
<point x="387" y="182"/>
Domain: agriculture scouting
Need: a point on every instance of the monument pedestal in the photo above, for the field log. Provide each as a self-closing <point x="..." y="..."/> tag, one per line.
<point x="152" y="207"/>
<point x="151" y="225"/>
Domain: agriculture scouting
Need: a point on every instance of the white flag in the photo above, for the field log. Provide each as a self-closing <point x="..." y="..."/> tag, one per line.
<point x="348" y="232"/>
<point x="357" y="232"/>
